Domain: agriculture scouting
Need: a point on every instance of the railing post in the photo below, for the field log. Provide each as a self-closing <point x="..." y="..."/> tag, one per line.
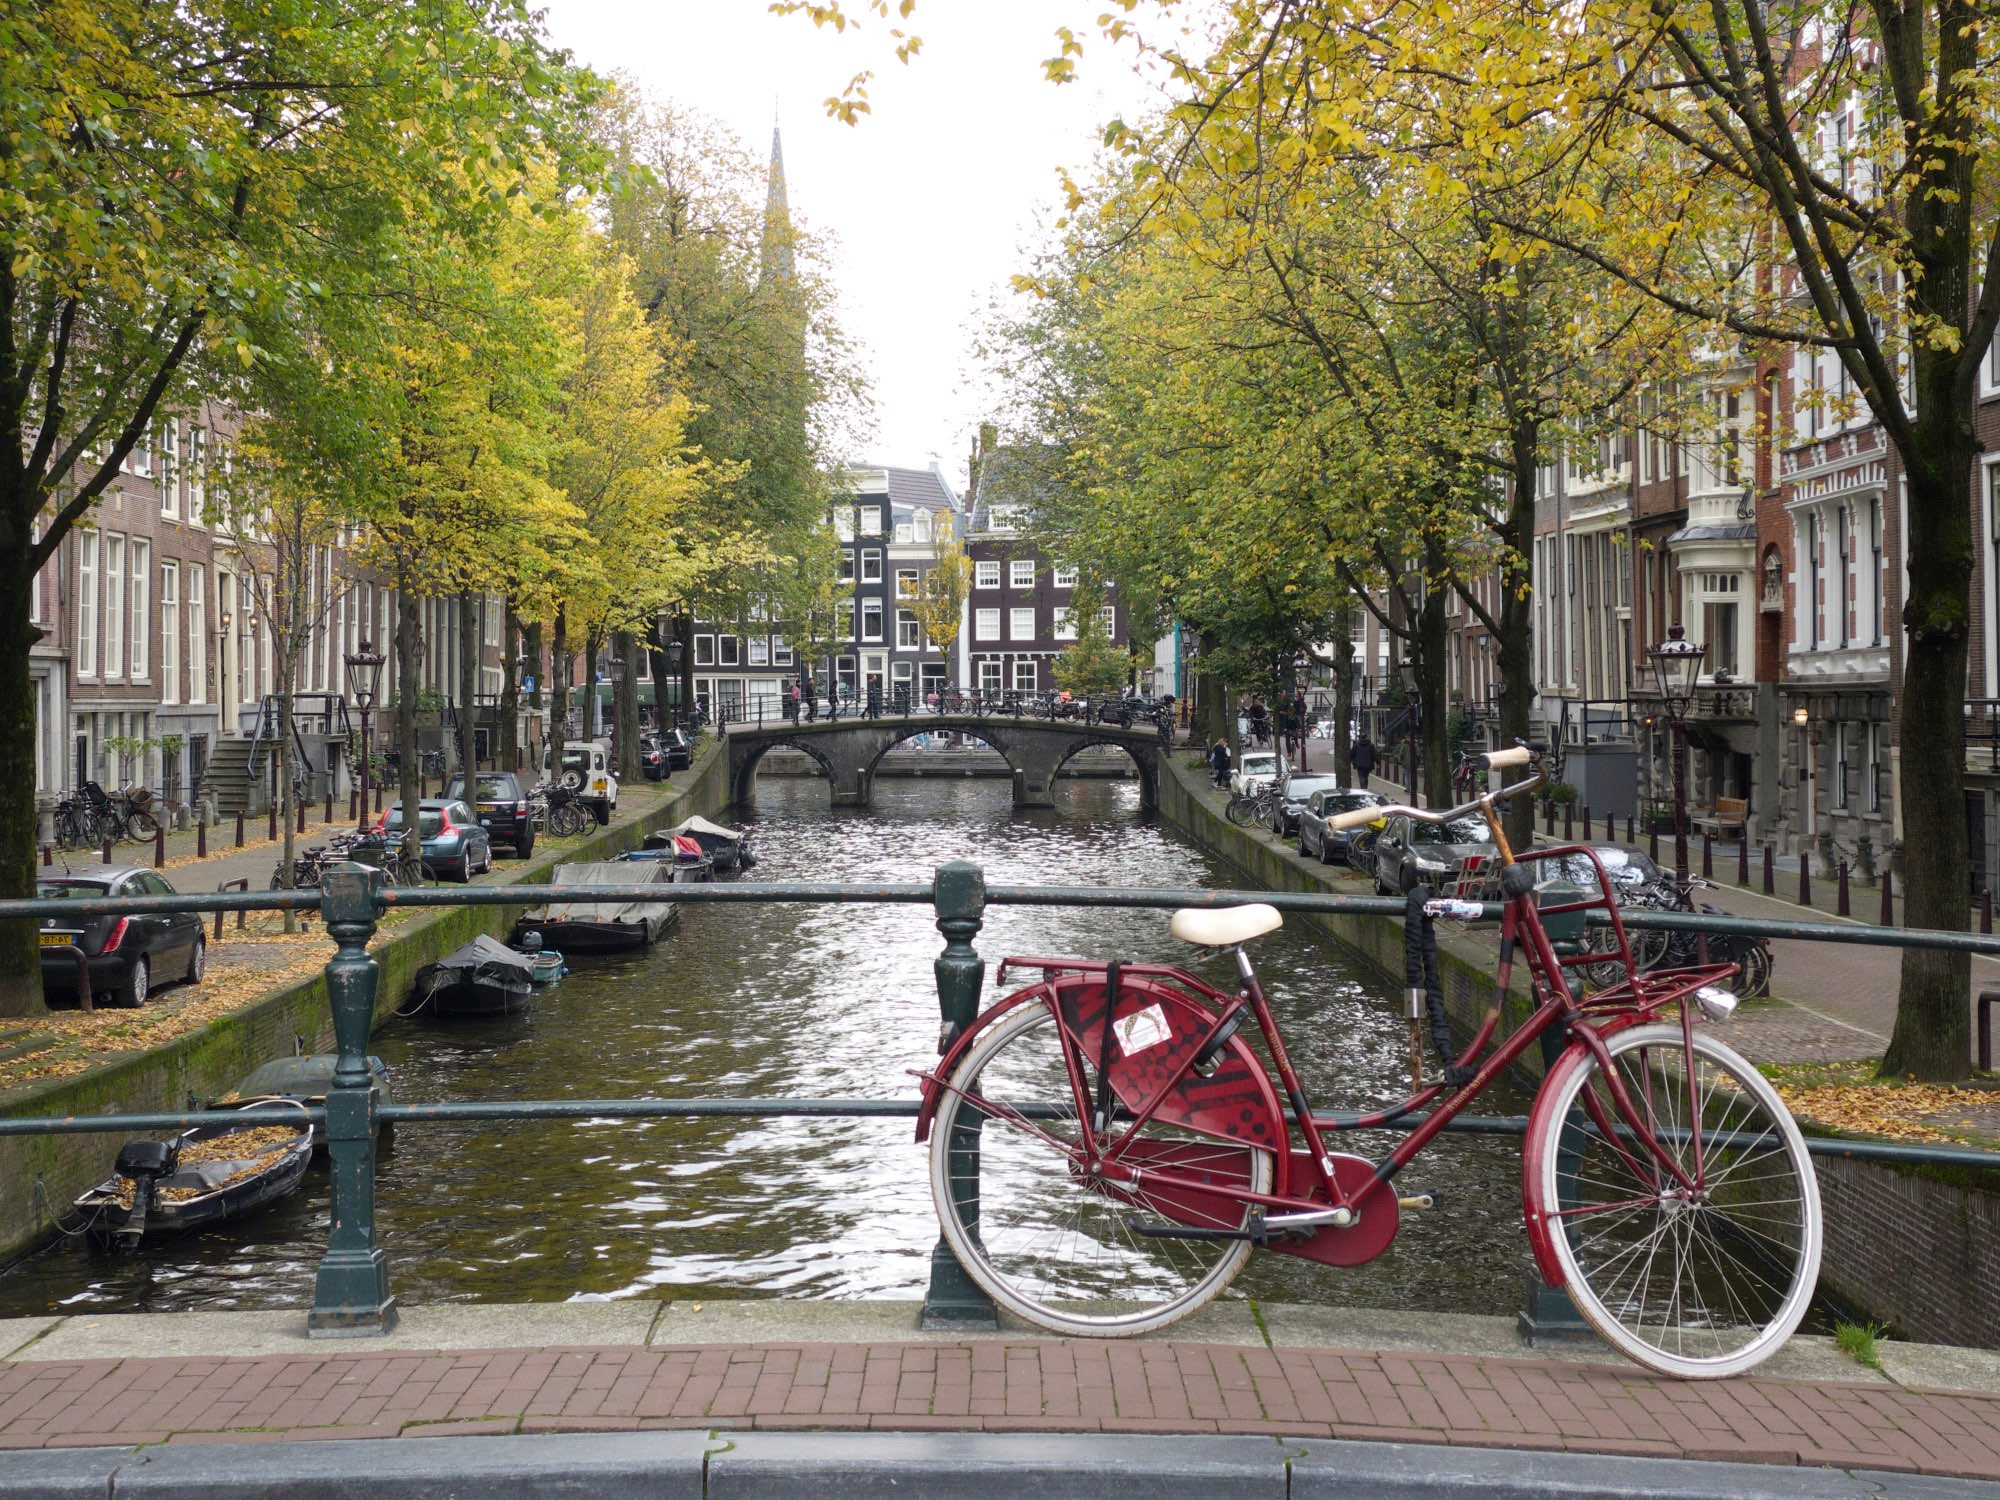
<point x="958" y="890"/>
<point x="351" y="1296"/>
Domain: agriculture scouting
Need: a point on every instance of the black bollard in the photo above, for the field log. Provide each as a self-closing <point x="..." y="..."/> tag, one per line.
<point x="107" y="851"/>
<point x="271" y="822"/>
<point x="239" y="829"/>
<point x="1805" y="877"/>
<point x="1842" y="906"/>
<point x="1889" y="902"/>
<point x="160" y="846"/>
<point x="1707" y="856"/>
<point x="1770" y="873"/>
<point x="1569" y="812"/>
<point x="1743" y="858"/>
<point x="200" y="839"/>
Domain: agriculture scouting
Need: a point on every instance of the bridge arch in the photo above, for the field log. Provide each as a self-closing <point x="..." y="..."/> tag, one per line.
<point x="849" y="751"/>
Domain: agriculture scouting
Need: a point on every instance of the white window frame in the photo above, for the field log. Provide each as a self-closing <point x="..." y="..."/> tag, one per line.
<point x="1017" y="617"/>
<point x="1063" y="578"/>
<point x="140" y="556"/>
<point x="992" y="675"/>
<point x="114" y="605"/>
<point x="1021" y="573"/>
<point x="170" y="632"/>
<point x="871" y="566"/>
<point x="704" y="650"/>
<point x="1108" y="613"/>
<point x="781" y="654"/>
<point x="986" y="624"/>
<point x="1027" y="675"/>
<point x="728" y="653"/>
<point x="871" y="619"/>
<point x="1064" y="623"/>
<point x="911" y="576"/>
<point x="759" y="649"/>
<point x="909" y="631"/>
<point x="986" y="575"/>
<point x="870" y="522"/>
<point x="197" y="474"/>
<point x="197" y="607"/>
<point x="170" y="464"/>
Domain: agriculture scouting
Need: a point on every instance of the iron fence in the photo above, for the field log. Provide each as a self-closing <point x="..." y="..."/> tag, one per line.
<point x="352" y="1295"/>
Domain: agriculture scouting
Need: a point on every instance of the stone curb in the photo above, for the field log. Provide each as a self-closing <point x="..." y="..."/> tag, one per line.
<point x="702" y="1465"/>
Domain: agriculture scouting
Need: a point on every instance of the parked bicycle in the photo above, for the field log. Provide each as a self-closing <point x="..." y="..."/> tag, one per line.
<point x="1106" y="1148"/>
<point x="554" y="808"/>
<point x="76" y="824"/>
<point x="1247" y="808"/>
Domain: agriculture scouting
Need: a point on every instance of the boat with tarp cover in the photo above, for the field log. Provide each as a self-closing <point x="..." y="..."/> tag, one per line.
<point x="603" y="926"/>
<point x="727" y="848"/>
<point x="484" y="978"/>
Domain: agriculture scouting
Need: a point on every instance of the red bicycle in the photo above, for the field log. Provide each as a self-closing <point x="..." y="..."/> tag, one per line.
<point x="1107" y="1147"/>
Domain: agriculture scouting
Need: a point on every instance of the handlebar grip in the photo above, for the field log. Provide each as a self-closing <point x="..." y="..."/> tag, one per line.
<point x="1361" y="817"/>
<point x="1519" y="755"/>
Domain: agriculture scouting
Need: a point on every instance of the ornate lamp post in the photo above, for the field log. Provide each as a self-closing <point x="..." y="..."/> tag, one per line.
<point x="1676" y="663"/>
<point x="364" y="673"/>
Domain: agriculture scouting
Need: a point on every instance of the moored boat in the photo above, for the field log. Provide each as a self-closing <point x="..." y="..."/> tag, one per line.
<point x="484" y="978"/>
<point x="603" y="926"/>
<point x="200" y="1177"/>
<point x="304" y="1080"/>
<point x="683" y="859"/>
<point x="728" y="848"/>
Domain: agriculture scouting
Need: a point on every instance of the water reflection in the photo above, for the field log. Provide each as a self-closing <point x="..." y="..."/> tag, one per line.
<point x="787" y="1000"/>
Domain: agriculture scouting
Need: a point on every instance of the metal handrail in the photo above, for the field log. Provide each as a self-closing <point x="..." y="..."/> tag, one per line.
<point x="352" y="1293"/>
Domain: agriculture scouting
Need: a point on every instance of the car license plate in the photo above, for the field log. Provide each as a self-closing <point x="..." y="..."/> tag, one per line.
<point x="59" y="939"/>
<point x="487" y="807"/>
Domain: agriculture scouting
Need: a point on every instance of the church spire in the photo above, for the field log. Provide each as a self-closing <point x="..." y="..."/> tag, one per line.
<point x="775" y="257"/>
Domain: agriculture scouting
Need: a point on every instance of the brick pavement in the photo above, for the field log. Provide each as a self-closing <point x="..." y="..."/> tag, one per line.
<point x="1001" y="1386"/>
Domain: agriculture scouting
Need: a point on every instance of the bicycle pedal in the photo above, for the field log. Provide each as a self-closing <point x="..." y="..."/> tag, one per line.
<point x="1417" y="1200"/>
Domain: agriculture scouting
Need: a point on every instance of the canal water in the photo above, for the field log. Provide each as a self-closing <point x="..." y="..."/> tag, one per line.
<point x="797" y="1000"/>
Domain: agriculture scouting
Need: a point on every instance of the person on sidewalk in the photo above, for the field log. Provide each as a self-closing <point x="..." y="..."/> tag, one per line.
<point x="1218" y="763"/>
<point x="1363" y="757"/>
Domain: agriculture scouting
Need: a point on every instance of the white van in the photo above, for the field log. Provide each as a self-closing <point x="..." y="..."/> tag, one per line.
<point x="586" y="770"/>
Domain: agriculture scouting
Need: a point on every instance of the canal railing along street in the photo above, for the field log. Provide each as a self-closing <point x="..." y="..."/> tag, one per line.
<point x="353" y="1295"/>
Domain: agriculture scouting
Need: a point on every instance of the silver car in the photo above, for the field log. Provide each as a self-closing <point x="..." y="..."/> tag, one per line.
<point x="1426" y="853"/>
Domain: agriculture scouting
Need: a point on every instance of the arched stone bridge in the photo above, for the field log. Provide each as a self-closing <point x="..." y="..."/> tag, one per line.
<point x="849" y="750"/>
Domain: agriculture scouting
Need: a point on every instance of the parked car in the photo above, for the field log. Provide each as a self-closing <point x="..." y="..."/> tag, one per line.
<point x="502" y="805"/>
<point x="586" y="771"/>
<point x="1254" y="771"/>
<point x="652" y="759"/>
<point x="1331" y="845"/>
<point x="127" y="956"/>
<point x="1430" y="853"/>
<point x="1292" y="800"/>
<point x="454" y="844"/>
<point x="677" y="747"/>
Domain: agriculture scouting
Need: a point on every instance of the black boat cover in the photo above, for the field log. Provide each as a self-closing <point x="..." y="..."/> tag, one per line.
<point x="491" y="955"/>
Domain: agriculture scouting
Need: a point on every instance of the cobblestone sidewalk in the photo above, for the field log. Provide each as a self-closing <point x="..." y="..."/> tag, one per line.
<point x="1028" y="1385"/>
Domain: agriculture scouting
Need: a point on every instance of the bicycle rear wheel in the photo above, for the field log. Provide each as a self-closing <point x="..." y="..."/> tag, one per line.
<point x="1697" y="1283"/>
<point x="568" y="820"/>
<point x="1241" y="810"/>
<point x="1048" y="1244"/>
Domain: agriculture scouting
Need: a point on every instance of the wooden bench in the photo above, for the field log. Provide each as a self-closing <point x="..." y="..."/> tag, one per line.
<point x="1728" y="812"/>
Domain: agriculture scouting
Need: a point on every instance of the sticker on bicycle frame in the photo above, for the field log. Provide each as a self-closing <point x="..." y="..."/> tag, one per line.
<point x="1142" y="1029"/>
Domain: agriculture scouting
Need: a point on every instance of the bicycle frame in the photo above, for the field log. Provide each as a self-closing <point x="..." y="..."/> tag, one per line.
<point x="1340" y="1192"/>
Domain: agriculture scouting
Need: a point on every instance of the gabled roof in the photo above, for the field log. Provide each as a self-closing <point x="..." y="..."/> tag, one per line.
<point x="1014" y="475"/>
<point x="922" y="489"/>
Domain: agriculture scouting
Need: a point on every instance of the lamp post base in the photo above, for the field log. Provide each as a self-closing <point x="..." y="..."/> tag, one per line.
<point x="352" y="1297"/>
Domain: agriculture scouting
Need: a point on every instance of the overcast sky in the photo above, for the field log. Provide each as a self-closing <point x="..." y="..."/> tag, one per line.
<point x="932" y="197"/>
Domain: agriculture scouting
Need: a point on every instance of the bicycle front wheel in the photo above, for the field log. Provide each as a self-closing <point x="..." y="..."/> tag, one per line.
<point x="568" y="820"/>
<point x="1049" y="1243"/>
<point x="1241" y="810"/>
<point x="1698" y="1279"/>
<point x="142" y="825"/>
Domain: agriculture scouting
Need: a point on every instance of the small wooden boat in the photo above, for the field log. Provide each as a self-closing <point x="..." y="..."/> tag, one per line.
<point x="603" y="926"/>
<point x="728" y="848"/>
<point x="304" y="1080"/>
<point x="683" y="859"/>
<point x="549" y="966"/>
<point x="484" y="978"/>
<point x="201" y="1177"/>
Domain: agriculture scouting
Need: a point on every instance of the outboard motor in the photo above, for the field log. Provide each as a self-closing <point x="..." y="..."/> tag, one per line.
<point x="145" y="1162"/>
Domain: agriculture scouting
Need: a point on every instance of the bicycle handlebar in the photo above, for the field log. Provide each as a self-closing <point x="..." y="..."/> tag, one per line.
<point x="1519" y="755"/>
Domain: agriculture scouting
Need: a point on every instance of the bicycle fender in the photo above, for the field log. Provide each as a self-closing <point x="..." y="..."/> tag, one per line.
<point x="933" y="1079"/>
<point x="1543" y="1127"/>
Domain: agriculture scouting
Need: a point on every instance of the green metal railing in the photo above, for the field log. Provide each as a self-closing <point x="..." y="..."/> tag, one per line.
<point x="352" y="1294"/>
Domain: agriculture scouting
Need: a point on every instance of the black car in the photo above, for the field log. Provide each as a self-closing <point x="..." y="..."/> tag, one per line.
<point x="1409" y="850"/>
<point x="502" y="806"/>
<point x="652" y="759"/>
<point x="677" y="748"/>
<point x="1331" y="845"/>
<point x="1292" y="797"/>
<point x="128" y="957"/>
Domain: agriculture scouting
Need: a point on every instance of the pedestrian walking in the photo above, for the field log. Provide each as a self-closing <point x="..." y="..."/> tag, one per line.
<point x="1363" y="757"/>
<point x="1218" y="763"/>
<point x="792" y="703"/>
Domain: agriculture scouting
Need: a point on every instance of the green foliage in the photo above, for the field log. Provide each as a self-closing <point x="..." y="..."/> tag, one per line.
<point x="1092" y="665"/>
<point x="1861" y="1341"/>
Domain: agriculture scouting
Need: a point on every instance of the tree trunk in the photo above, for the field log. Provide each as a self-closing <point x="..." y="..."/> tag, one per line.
<point x="1433" y="701"/>
<point x="409" y="661"/>
<point x="470" y="641"/>
<point x="506" y="736"/>
<point x="1516" y="638"/>
<point x="558" y="694"/>
<point x="625" y="703"/>
<point x="1931" y="1039"/>
<point x="20" y="957"/>
<point x="1343" y="696"/>
<point x="288" y="809"/>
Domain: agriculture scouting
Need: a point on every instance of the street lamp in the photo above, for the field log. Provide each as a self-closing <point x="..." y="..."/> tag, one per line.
<point x="1676" y="663"/>
<point x="364" y="673"/>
